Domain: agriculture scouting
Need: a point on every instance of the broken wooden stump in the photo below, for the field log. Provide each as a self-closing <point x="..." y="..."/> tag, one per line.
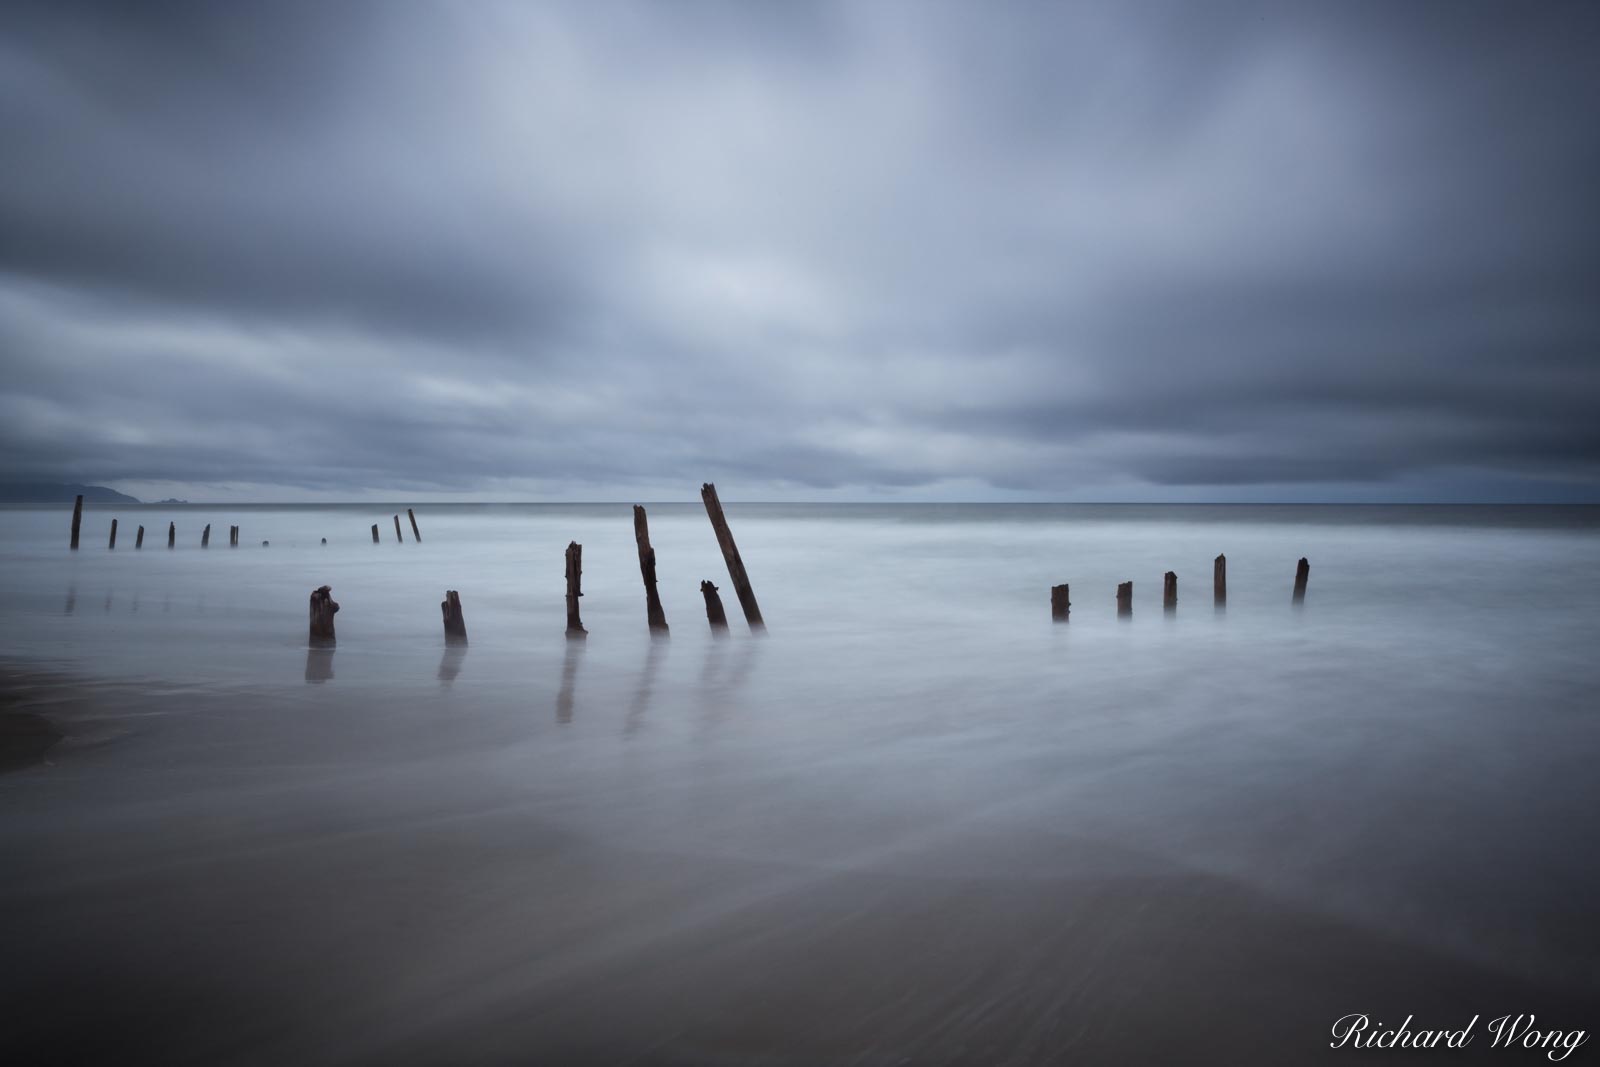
<point x="714" y="613"/>
<point x="233" y="537"/>
<point x="1219" y="580"/>
<point x="323" y="608"/>
<point x="1060" y="606"/>
<point x="113" y="542"/>
<point x="730" y="554"/>
<point x="416" y="534"/>
<point x="455" y="626"/>
<point x="398" y="536"/>
<point x="1301" y="573"/>
<point x="138" y="540"/>
<point x="656" y="617"/>
<point x="172" y="535"/>
<point x="1125" y="598"/>
<point x="205" y="537"/>
<point x="574" y="589"/>
<point x="1169" y="592"/>
<point x="77" y="519"/>
<point x="374" y="533"/>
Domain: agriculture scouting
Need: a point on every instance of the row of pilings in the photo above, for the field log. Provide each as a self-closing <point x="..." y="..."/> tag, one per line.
<point x="1061" y="602"/>
<point x="205" y="535"/>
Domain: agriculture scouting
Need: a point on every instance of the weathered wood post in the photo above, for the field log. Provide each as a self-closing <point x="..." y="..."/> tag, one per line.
<point x="1125" y="598"/>
<point x="730" y="554"/>
<point x="77" y="520"/>
<point x="455" y="626"/>
<point x="714" y="613"/>
<point x="138" y="541"/>
<point x="398" y="536"/>
<point x="1219" y="580"/>
<point x="113" y="542"/>
<point x="205" y="537"/>
<point x="1060" y="606"/>
<point x="1301" y="573"/>
<point x="647" y="570"/>
<point x="416" y="534"/>
<point x="574" y="589"/>
<point x="172" y="535"/>
<point x="374" y="533"/>
<point x="323" y="608"/>
<point x="1169" y="592"/>
<point x="233" y="537"/>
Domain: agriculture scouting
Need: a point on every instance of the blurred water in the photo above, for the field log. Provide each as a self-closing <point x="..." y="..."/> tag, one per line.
<point x="1409" y="755"/>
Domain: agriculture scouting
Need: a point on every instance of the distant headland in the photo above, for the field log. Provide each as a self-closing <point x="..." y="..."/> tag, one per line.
<point x="41" y="493"/>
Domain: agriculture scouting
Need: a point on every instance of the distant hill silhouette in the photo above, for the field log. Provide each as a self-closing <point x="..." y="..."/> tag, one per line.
<point x="62" y="494"/>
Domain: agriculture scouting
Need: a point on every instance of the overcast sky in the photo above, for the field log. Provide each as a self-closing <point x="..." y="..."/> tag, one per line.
<point x="1101" y="251"/>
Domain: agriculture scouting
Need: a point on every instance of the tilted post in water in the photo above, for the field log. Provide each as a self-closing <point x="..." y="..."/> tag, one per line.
<point x="77" y="519"/>
<point x="1301" y="573"/>
<point x="1169" y="592"/>
<point x="1219" y="580"/>
<point x="714" y="613"/>
<point x="323" y="608"/>
<point x="455" y="626"/>
<point x="730" y="553"/>
<point x="205" y="537"/>
<point x="647" y="571"/>
<point x="172" y="535"/>
<point x="138" y="541"/>
<point x="113" y="542"/>
<point x="1060" y="606"/>
<point x="398" y="536"/>
<point x="574" y="589"/>
<point x="374" y="533"/>
<point x="416" y="534"/>
<point x="1125" y="598"/>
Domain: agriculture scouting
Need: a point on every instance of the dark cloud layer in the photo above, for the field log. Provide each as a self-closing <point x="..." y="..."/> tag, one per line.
<point x="591" y="250"/>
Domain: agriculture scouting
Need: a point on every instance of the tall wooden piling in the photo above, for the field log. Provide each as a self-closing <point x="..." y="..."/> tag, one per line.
<point x="1125" y="598"/>
<point x="374" y="533"/>
<point x="323" y="608"/>
<point x="730" y="554"/>
<point x="574" y="589"/>
<point x="714" y="613"/>
<point x="647" y="570"/>
<point x="172" y="535"/>
<point x="205" y="537"/>
<point x="398" y="536"/>
<point x="1301" y="573"/>
<point x="1219" y="580"/>
<point x="416" y="534"/>
<point x="77" y="520"/>
<point x="1169" y="592"/>
<point x="1060" y="605"/>
<point x="455" y="626"/>
<point x="138" y="540"/>
<point x="113" y="542"/>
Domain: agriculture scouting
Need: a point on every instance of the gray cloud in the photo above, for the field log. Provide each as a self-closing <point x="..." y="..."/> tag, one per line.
<point x="1051" y="251"/>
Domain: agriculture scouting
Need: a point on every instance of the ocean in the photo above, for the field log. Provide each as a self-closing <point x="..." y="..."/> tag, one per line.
<point x="916" y="821"/>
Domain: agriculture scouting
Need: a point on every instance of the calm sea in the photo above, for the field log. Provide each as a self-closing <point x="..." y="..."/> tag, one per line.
<point x="915" y="820"/>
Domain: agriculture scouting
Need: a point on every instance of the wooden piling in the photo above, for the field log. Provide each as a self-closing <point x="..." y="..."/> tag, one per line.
<point x="714" y="613"/>
<point x="205" y="537"/>
<point x="1219" y="580"/>
<point x="1169" y="592"/>
<point x="398" y="536"/>
<point x="113" y="542"/>
<point x="323" y="608"/>
<point x="1301" y="573"/>
<point x="647" y="570"/>
<point x="574" y="589"/>
<point x="138" y="541"/>
<point x="1060" y="605"/>
<point x="77" y="520"/>
<point x="172" y="535"/>
<point x="455" y="626"/>
<point x="1125" y="598"/>
<point x="730" y="554"/>
<point x="233" y="537"/>
<point x="416" y="534"/>
<point x="374" y="533"/>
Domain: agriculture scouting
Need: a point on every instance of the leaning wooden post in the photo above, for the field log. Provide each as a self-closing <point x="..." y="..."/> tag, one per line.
<point x="714" y="613"/>
<point x="205" y="537"/>
<point x="1060" y="606"/>
<point x="455" y="626"/>
<point x="1125" y="598"/>
<point x="398" y="536"/>
<point x="1219" y="580"/>
<point x="1301" y="573"/>
<point x="647" y="570"/>
<point x="113" y="542"/>
<point x="138" y="541"/>
<point x="1169" y="592"/>
<point x="416" y="534"/>
<point x="77" y="520"/>
<point x="730" y="554"/>
<point x="574" y="589"/>
<point x="374" y="533"/>
<point x="172" y="535"/>
<point x="323" y="608"/>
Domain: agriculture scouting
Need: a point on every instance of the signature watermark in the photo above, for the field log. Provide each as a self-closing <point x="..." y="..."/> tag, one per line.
<point x="1508" y="1031"/>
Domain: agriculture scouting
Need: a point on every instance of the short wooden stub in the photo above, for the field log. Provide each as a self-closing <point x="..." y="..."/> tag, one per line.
<point x="455" y="626"/>
<point x="77" y="519"/>
<point x="398" y="536"/>
<point x="1301" y="573"/>
<point x="138" y="540"/>
<point x="374" y="533"/>
<point x="1060" y="605"/>
<point x="647" y="570"/>
<point x="1219" y="580"/>
<point x="416" y="534"/>
<point x="205" y="537"/>
<point x="714" y="613"/>
<point x="730" y="554"/>
<point x="113" y="542"/>
<point x="1169" y="591"/>
<point x="172" y="535"/>
<point x="574" y="589"/>
<point x="1125" y="598"/>
<point x="323" y="608"/>
<point x="233" y="537"/>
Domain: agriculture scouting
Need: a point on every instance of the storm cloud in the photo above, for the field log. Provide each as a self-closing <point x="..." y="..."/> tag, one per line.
<point x="590" y="251"/>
